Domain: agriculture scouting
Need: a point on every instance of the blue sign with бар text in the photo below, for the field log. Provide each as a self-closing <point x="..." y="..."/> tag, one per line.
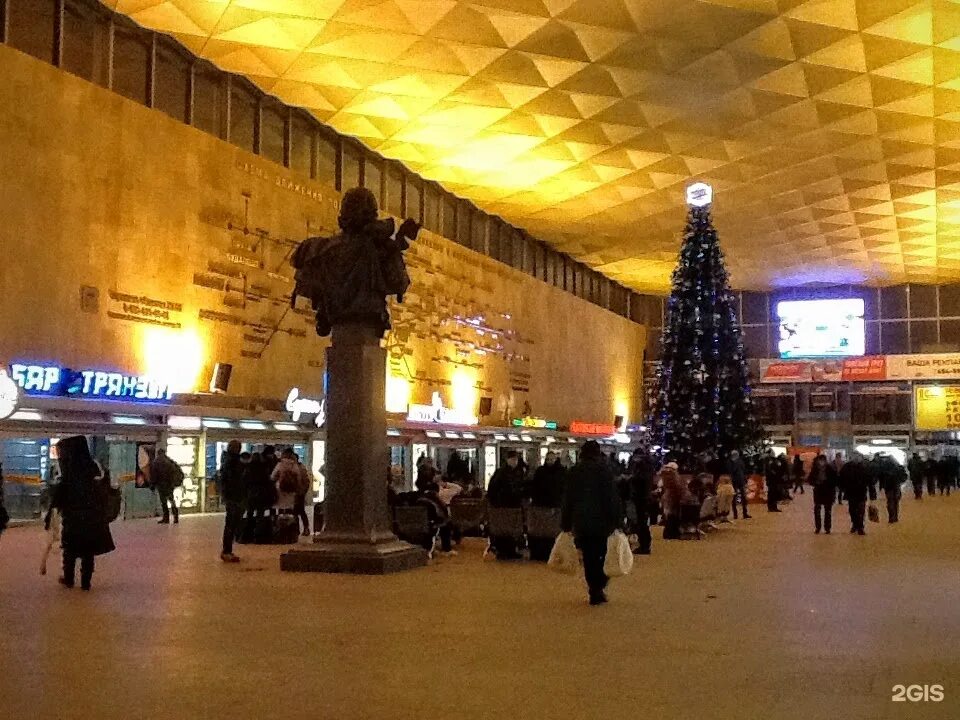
<point x="55" y="381"/>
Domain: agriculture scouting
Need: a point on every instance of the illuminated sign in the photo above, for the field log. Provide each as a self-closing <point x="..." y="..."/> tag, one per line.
<point x="298" y="405"/>
<point x="9" y="396"/>
<point x="535" y="422"/>
<point x="699" y="195"/>
<point x="578" y="427"/>
<point x="53" y="380"/>
<point x="437" y="413"/>
<point x="937" y="407"/>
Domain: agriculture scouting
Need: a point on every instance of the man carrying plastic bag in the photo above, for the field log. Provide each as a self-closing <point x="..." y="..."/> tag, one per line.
<point x="591" y="511"/>
<point x="564" y="557"/>
<point x="619" y="560"/>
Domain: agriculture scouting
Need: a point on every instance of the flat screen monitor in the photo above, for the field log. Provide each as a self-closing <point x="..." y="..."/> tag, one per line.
<point x="821" y="328"/>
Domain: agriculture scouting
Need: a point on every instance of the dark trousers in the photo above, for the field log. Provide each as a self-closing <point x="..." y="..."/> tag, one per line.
<point x="931" y="485"/>
<point x="740" y="493"/>
<point x="643" y="533"/>
<point x="827" y="509"/>
<point x="858" y="509"/>
<point x="893" y="508"/>
<point x="504" y="547"/>
<point x="446" y="537"/>
<point x="300" y="511"/>
<point x="917" y="489"/>
<point x="167" y="503"/>
<point x="944" y="486"/>
<point x="772" y="495"/>
<point x="671" y="528"/>
<point x="70" y="565"/>
<point x="231" y="525"/>
<point x="798" y="484"/>
<point x="540" y="548"/>
<point x="594" y="549"/>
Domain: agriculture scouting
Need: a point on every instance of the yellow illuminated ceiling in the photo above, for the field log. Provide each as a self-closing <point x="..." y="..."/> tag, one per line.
<point x="830" y="129"/>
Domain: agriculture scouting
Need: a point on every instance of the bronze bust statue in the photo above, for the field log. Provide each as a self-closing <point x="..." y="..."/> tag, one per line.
<point x="349" y="276"/>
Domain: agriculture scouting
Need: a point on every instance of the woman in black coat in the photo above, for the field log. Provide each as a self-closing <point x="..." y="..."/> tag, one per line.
<point x="81" y="497"/>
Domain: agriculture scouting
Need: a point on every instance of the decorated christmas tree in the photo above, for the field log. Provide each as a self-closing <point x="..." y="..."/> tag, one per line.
<point x="701" y="399"/>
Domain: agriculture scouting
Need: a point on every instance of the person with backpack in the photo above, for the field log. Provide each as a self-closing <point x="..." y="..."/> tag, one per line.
<point x="82" y="497"/>
<point x="165" y="475"/>
<point x="300" y="501"/>
<point x="293" y="483"/>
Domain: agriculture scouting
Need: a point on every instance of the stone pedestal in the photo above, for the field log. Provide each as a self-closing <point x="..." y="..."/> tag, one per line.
<point x="357" y="536"/>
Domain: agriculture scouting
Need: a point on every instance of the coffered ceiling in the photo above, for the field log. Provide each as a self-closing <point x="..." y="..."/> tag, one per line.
<point x="830" y="129"/>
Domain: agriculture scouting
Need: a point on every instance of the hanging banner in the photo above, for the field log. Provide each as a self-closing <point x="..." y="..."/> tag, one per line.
<point x="945" y="366"/>
<point x="865" y="369"/>
<point x="937" y="407"/>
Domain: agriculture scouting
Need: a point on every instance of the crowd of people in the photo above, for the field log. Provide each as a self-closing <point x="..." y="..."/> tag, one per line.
<point x="254" y="488"/>
<point x="593" y="497"/>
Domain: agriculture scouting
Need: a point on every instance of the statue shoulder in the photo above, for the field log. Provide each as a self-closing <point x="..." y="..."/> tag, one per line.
<point x="313" y="247"/>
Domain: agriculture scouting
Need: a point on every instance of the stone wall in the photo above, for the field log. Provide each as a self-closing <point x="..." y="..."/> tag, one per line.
<point x="136" y="243"/>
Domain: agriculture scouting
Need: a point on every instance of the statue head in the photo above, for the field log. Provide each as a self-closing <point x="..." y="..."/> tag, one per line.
<point x="357" y="210"/>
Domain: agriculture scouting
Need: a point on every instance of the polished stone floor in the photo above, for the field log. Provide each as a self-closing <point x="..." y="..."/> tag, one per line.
<point x="760" y="620"/>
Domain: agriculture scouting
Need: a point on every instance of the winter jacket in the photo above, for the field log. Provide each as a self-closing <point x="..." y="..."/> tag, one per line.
<point x="81" y="497"/>
<point x="738" y="473"/>
<point x="506" y="487"/>
<point x="824" y="485"/>
<point x="165" y="474"/>
<point x="546" y="490"/>
<point x="591" y="507"/>
<point x="232" y="478"/>
<point x="856" y="482"/>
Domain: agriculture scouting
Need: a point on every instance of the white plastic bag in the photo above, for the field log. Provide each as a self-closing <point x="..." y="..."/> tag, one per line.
<point x="619" y="560"/>
<point x="564" y="557"/>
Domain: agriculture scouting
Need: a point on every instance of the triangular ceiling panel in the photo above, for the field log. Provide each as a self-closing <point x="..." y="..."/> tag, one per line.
<point x="830" y="128"/>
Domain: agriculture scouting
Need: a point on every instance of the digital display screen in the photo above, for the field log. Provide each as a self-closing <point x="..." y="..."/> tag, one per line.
<point x="821" y="328"/>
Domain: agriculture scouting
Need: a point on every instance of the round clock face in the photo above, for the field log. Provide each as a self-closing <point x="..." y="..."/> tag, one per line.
<point x="9" y="395"/>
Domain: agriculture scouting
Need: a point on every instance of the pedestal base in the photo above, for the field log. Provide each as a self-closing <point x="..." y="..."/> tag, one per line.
<point x="358" y="558"/>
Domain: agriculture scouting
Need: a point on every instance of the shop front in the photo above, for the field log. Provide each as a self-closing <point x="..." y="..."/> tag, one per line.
<point x="125" y="418"/>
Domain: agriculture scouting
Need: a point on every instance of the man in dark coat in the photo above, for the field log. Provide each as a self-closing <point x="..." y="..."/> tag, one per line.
<point x="642" y="472"/>
<point x="823" y="480"/>
<point x="773" y="475"/>
<point x="165" y="475"/>
<point x="737" y="470"/>
<point x="890" y="475"/>
<point x="546" y="489"/>
<point x="232" y="491"/>
<point x="930" y="472"/>
<point x="81" y="497"/>
<point x="591" y="511"/>
<point x="944" y="475"/>
<point x="915" y="466"/>
<point x="505" y="491"/>
<point x="857" y="484"/>
<point x="797" y="473"/>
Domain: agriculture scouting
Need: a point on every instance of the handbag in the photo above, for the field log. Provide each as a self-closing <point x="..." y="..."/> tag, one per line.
<point x="113" y="504"/>
<point x="619" y="561"/>
<point x="564" y="557"/>
<point x="873" y="513"/>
